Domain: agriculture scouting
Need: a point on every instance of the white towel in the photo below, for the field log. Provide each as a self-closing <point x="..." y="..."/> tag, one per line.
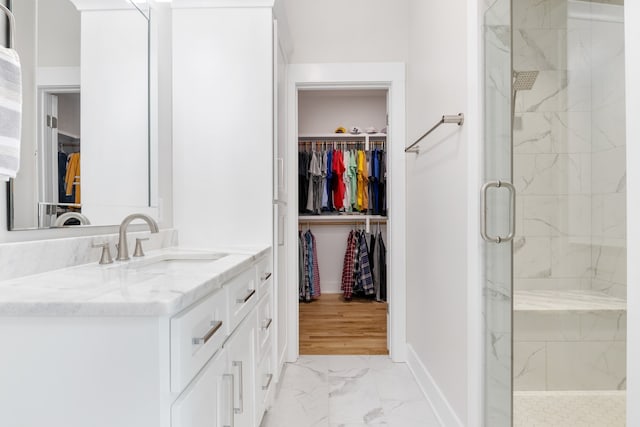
<point x="10" y="113"/>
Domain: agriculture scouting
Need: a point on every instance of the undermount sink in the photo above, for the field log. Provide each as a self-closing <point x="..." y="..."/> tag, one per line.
<point x="178" y="261"/>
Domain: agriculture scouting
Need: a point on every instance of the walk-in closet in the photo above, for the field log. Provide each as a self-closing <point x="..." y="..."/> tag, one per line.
<point x="342" y="221"/>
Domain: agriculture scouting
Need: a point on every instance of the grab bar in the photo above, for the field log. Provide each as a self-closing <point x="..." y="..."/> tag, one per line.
<point x="12" y="25"/>
<point x="459" y="120"/>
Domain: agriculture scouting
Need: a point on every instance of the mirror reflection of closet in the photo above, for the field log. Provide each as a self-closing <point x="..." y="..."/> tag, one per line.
<point x="61" y="161"/>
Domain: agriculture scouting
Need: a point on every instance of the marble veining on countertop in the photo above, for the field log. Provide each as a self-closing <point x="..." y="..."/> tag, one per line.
<point x="121" y="289"/>
<point x="577" y="300"/>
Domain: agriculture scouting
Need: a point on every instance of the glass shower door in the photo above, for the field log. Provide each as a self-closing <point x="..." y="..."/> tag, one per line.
<point x="497" y="214"/>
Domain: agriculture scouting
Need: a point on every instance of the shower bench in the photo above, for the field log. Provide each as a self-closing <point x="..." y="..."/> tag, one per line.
<point x="569" y="340"/>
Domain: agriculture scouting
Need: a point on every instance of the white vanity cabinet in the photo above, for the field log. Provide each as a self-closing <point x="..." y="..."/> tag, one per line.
<point x="222" y="394"/>
<point x="204" y="366"/>
<point x="207" y="401"/>
<point x="265" y="323"/>
<point x="242" y="366"/>
<point x="231" y="390"/>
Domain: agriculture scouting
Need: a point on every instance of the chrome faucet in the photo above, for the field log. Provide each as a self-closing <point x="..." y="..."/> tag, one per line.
<point x="123" y="251"/>
<point x="60" y="221"/>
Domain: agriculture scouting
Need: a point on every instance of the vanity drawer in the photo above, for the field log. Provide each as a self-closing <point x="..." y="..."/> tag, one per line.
<point x="264" y="271"/>
<point x="265" y="321"/>
<point x="196" y="334"/>
<point x="242" y="296"/>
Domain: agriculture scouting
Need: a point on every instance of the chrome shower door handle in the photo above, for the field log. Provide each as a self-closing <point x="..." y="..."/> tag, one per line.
<point x="512" y="211"/>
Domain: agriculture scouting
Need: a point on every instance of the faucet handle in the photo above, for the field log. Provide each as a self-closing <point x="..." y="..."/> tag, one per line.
<point x="105" y="258"/>
<point x="138" y="252"/>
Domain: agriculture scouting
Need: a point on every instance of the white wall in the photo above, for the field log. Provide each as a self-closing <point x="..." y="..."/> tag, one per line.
<point x="433" y="40"/>
<point x="322" y="111"/>
<point x="632" y="53"/>
<point x="69" y="114"/>
<point x="438" y="204"/>
<point x="58" y="34"/>
<point x="348" y="31"/>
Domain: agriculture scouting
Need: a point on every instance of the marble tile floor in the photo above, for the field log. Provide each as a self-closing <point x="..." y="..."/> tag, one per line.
<point x="349" y="391"/>
<point x="569" y="408"/>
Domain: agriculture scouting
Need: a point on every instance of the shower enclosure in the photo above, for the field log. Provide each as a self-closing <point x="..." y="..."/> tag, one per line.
<point x="555" y="294"/>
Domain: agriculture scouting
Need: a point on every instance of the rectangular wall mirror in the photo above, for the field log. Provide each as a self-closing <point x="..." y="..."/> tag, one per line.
<point x="87" y="157"/>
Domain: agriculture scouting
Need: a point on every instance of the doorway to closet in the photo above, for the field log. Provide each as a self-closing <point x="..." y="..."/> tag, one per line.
<point x="59" y="155"/>
<point x="321" y="99"/>
<point x="342" y="216"/>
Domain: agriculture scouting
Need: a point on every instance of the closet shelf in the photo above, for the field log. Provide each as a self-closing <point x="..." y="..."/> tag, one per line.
<point x="68" y="135"/>
<point x="361" y="136"/>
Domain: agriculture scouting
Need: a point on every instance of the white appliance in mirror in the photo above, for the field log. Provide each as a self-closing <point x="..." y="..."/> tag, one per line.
<point x="86" y="142"/>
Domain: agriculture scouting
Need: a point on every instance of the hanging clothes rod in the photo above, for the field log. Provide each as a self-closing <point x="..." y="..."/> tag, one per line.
<point x="329" y="141"/>
<point x="459" y="120"/>
<point x="12" y="24"/>
<point x="339" y="219"/>
<point x="345" y="136"/>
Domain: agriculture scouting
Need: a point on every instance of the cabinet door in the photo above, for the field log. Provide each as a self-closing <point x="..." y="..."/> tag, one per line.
<point x="206" y="402"/>
<point x="241" y="365"/>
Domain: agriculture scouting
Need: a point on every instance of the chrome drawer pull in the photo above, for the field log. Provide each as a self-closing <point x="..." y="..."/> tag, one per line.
<point x="266" y="323"/>
<point x="266" y="387"/>
<point x="239" y="410"/>
<point x="265" y="277"/>
<point x="215" y="325"/>
<point x="246" y="298"/>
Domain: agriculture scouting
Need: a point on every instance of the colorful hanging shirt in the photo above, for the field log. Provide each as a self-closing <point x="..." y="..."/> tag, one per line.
<point x="338" y="180"/>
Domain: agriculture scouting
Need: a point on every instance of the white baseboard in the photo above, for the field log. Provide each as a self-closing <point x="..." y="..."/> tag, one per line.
<point x="443" y="410"/>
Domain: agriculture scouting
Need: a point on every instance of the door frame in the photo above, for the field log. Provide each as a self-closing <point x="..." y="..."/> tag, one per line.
<point x="389" y="76"/>
<point x="46" y="154"/>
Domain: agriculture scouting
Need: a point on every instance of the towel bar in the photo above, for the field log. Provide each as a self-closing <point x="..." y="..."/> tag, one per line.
<point x="12" y="25"/>
<point x="459" y="120"/>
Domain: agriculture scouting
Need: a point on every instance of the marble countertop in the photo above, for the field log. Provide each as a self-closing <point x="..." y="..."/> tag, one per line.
<point x="123" y="289"/>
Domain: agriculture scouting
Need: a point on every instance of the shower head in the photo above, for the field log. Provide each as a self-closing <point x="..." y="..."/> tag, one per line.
<point x="524" y="80"/>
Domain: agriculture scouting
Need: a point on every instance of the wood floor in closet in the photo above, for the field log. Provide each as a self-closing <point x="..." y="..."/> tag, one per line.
<point x="329" y="325"/>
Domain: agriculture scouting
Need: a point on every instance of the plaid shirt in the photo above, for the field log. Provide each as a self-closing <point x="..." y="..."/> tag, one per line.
<point x="305" y="291"/>
<point x="316" y="269"/>
<point x="365" y="278"/>
<point x="347" y="269"/>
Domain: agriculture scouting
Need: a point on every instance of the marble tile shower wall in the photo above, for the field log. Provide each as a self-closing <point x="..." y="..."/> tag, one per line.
<point x="569" y="170"/>
<point x="569" y="147"/>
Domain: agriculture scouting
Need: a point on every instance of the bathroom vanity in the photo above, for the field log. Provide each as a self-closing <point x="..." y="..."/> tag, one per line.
<point x="179" y="338"/>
